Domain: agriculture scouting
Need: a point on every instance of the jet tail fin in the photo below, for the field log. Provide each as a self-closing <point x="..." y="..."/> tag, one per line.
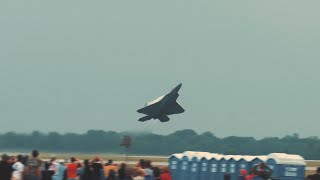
<point x="146" y="118"/>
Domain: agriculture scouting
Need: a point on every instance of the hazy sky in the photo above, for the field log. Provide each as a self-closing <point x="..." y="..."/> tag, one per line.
<point x="248" y="68"/>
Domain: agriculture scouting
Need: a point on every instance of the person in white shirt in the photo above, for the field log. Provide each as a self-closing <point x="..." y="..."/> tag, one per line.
<point x="139" y="174"/>
<point x="54" y="167"/>
<point x="18" y="169"/>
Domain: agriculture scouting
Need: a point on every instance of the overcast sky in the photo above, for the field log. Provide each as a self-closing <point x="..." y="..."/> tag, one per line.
<point x="248" y="68"/>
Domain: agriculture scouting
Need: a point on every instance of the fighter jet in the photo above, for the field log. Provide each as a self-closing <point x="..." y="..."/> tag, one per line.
<point x="163" y="106"/>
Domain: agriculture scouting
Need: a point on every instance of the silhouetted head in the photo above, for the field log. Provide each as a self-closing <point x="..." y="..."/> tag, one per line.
<point x="86" y="163"/>
<point x="35" y="153"/>
<point x="4" y="157"/>
<point x="96" y="159"/>
<point x="318" y="170"/>
<point x="123" y="166"/>
<point x="110" y="161"/>
<point x="142" y="163"/>
<point x="72" y="159"/>
<point x="19" y="158"/>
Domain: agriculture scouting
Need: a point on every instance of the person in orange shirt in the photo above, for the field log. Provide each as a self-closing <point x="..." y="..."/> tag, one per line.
<point x="109" y="166"/>
<point x="72" y="169"/>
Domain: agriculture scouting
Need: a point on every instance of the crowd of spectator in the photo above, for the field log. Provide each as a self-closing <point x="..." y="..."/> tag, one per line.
<point x="33" y="168"/>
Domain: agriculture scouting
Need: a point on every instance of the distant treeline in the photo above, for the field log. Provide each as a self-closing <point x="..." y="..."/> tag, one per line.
<point x="98" y="141"/>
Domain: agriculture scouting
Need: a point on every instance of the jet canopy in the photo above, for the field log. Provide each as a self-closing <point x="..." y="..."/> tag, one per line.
<point x="154" y="101"/>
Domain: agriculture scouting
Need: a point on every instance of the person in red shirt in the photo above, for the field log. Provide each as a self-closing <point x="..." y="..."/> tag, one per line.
<point x="165" y="175"/>
<point x="243" y="174"/>
<point x="72" y="169"/>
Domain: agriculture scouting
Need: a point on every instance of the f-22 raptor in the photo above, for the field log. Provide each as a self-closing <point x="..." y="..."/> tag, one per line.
<point x="163" y="106"/>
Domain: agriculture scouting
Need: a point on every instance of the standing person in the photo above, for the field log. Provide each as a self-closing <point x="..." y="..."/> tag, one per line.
<point x="80" y="170"/>
<point x="72" y="168"/>
<point x="5" y="168"/>
<point x="87" y="173"/>
<point x="55" y="167"/>
<point x="18" y="169"/>
<point x="165" y="175"/>
<point x="109" y="166"/>
<point x="122" y="172"/>
<point x="47" y="173"/>
<point x="33" y="167"/>
<point x="97" y="168"/>
<point x="148" y="171"/>
<point x="62" y="171"/>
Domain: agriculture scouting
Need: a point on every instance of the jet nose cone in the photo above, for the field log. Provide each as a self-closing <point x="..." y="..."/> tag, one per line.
<point x="177" y="88"/>
<point x="179" y="85"/>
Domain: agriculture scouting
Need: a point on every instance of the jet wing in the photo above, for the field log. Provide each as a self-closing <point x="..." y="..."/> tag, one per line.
<point x="175" y="109"/>
<point x="151" y="109"/>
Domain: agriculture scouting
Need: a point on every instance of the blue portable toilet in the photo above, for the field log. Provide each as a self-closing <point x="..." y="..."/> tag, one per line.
<point x="232" y="167"/>
<point x="184" y="170"/>
<point x="204" y="172"/>
<point x="184" y="167"/>
<point x="194" y="167"/>
<point x="174" y="165"/>
<point x="223" y="166"/>
<point x="286" y="166"/>
<point x="214" y="166"/>
<point x="242" y="163"/>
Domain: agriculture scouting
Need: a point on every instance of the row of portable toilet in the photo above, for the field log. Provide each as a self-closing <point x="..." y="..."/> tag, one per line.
<point x="192" y="165"/>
